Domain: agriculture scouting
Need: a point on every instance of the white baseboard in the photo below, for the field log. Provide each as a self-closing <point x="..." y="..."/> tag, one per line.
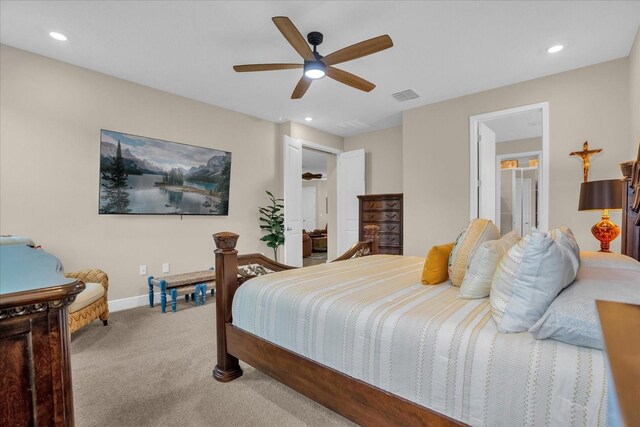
<point x="133" y="302"/>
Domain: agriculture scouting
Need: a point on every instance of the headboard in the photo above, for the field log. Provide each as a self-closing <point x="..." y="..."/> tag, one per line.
<point x="631" y="208"/>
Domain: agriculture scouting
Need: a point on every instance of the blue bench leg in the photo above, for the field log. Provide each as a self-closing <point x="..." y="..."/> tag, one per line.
<point x="150" y="291"/>
<point x="197" y="295"/>
<point x="174" y="297"/>
<point x="186" y="297"/>
<point x="163" y="296"/>
<point x="203" y="289"/>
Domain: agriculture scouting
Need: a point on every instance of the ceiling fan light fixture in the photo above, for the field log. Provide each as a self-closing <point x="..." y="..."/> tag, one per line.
<point x="314" y="69"/>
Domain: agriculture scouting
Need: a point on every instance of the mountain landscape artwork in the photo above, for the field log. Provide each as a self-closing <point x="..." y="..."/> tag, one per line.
<point x="140" y="175"/>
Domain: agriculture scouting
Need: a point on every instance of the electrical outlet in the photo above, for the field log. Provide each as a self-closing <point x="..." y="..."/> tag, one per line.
<point x="165" y="267"/>
<point x="143" y="270"/>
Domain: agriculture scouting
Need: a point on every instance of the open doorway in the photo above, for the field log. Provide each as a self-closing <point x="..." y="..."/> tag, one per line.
<point x="345" y="174"/>
<point x="510" y="168"/>
<point x="315" y="206"/>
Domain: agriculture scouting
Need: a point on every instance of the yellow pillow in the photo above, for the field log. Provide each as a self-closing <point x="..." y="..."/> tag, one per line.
<point x="436" y="265"/>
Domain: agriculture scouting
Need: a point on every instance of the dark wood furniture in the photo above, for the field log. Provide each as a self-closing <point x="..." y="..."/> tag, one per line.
<point x="352" y="398"/>
<point x="630" y="231"/>
<point x="620" y="325"/>
<point x="35" y="369"/>
<point x="306" y="245"/>
<point x="385" y="211"/>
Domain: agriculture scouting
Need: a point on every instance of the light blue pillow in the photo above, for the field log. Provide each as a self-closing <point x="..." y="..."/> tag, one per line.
<point x="530" y="276"/>
<point x="572" y="317"/>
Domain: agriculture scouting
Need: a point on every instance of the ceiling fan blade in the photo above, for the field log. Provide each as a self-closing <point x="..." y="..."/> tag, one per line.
<point x="301" y="87"/>
<point x="349" y="79"/>
<point x="358" y="50"/>
<point x="293" y="36"/>
<point x="264" y="67"/>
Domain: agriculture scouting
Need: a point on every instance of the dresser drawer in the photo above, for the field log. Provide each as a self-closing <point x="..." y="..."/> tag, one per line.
<point x="381" y="216"/>
<point x="389" y="239"/>
<point x="379" y="205"/>
<point x="388" y="250"/>
<point x="385" y="227"/>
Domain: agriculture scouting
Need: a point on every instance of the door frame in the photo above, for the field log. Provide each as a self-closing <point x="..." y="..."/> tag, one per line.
<point x="544" y="160"/>
<point x="325" y="149"/>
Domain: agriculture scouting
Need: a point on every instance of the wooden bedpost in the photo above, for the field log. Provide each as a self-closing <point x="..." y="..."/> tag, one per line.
<point x="227" y="366"/>
<point x="371" y="233"/>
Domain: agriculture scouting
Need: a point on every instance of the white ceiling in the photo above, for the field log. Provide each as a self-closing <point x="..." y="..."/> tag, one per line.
<point x="441" y="50"/>
<point x="527" y="124"/>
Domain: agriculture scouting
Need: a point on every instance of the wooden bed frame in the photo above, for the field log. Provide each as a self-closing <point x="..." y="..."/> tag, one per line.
<point x="356" y="400"/>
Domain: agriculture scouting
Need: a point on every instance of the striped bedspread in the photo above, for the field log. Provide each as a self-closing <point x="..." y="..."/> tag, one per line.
<point x="372" y="319"/>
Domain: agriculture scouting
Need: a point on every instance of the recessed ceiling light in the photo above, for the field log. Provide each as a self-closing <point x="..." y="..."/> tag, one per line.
<point x="308" y="119"/>
<point x="555" y="49"/>
<point x="58" y="36"/>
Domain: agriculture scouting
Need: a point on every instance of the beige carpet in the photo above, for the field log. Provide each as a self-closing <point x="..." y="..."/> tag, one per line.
<point x="152" y="369"/>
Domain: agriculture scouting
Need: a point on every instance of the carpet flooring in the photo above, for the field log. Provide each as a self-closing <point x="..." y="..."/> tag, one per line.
<point x="152" y="369"/>
<point x="315" y="259"/>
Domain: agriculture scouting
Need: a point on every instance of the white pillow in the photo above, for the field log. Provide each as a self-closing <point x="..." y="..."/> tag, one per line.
<point x="477" y="280"/>
<point x="564" y="236"/>
<point x="477" y="232"/>
<point x="530" y="276"/>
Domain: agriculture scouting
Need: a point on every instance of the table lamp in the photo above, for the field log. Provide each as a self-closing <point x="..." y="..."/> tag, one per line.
<point x="605" y="194"/>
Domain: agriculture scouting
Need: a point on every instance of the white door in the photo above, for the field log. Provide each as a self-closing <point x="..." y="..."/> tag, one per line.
<point x="350" y="186"/>
<point x="522" y="218"/>
<point x="526" y="206"/>
<point x="309" y="208"/>
<point x="292" y="202"/>
<point x="487" y="173"/>
<point x="517" y="204"/>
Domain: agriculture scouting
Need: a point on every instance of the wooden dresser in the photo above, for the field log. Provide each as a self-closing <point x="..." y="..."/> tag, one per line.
<point x="35" y="370"/>
<point x="385" y="211"/>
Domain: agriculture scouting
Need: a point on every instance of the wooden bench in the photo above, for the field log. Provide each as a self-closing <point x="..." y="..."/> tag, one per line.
<point x="195" y="284"/>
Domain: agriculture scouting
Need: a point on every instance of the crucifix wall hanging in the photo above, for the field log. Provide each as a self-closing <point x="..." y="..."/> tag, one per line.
<point x="585" y="154"/>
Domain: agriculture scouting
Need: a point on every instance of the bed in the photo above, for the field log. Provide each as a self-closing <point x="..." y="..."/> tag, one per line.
<point x="366" y="339"/>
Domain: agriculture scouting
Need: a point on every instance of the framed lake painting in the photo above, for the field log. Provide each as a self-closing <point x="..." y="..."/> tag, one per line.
<point x="140" y="175"/>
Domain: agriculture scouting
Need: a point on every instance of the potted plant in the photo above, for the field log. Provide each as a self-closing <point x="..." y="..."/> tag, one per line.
<point x="272" y="218"/>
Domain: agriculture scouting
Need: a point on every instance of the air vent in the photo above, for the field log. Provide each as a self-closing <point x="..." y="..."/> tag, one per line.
<point x="405" y="95"/>
<point x="353" y="125"/>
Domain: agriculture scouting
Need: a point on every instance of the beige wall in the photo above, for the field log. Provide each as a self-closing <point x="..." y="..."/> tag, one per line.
<point x="519" y="146"/>
<point x="383" y="159"/>
<point x="591" y="103"/>
<point x="634" y="96"/>
<point x="51" y="115"/>
<point x="316" y="136"/>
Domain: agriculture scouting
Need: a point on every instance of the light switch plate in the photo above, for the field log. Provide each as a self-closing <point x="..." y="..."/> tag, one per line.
<point x="143" y="270"/>
<point x="165" y="267"/>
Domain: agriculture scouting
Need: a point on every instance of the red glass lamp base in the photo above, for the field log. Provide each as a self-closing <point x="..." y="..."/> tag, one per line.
<point x="605" y="231"/>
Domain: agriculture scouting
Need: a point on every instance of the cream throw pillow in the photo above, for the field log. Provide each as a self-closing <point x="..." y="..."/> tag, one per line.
<point x="477" y="280"/>
<point x="477" y="232"/>
<point x="530" y="276"/>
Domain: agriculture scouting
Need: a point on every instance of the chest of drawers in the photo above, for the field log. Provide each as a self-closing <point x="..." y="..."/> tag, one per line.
<point x="385" y="211"/>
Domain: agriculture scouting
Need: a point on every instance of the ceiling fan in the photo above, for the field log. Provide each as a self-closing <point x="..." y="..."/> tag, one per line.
<point x="317" y="66"/>
<point x="309" y="176"/>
